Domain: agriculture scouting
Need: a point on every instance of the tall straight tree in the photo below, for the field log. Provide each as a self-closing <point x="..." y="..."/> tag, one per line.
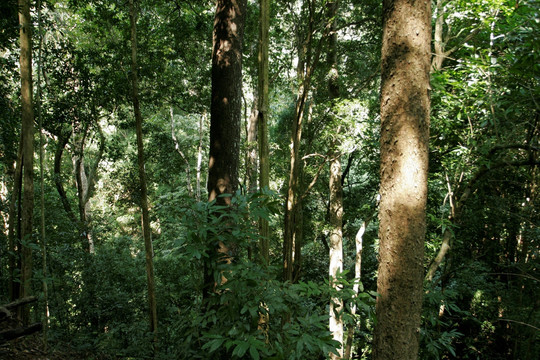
<point x="26" y="149"/>
<point x="336" y="192"/>
<point x="264" y="164"/>
<point x="404" y="138"/>
<point x="142" y="174"/>
<point x="225" y="112"/>
<point x="226" y="103"/>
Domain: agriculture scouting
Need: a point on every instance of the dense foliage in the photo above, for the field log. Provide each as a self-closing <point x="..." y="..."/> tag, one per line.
<point x="482" y="300"/>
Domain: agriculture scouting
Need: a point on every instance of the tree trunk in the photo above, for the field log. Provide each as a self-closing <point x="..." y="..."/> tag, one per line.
<point x="142" y="176"/>
<point x="263" y="100"/>
<point x="181" y="153"/>
<point x="27" y="138"/>
<point x="336" y="252"/>
<point x="359" y="240"/>
<point x="438" y="44"/>
<point x="199" y="156"/>
<point x="225" y="115"/>
<point x="251" y="151"/>
<point x="226" y="105"/>
<point x="336" y="193"/>
<point x="292" y="218"/>
<point x="292" y="223"/>
<point x="404" y="162"/>
<point x="14" y="226"/>
<point x="42" y="186"/>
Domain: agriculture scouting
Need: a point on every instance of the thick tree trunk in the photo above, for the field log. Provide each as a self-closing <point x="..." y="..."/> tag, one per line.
<point x="27" y="138"/>
<point x="226" y="105"/>
<point x="225" y="115"/>
<point x="404" y="163"/>
<point x="142" y="176"/>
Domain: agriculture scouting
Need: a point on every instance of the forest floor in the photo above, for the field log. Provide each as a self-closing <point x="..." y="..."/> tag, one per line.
<point x="32" y="348"/>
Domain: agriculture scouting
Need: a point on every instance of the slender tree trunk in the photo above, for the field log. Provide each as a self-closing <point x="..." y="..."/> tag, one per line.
<point x="293" y="206"/>
<point x="42" y="186"/>
<point x="438" y="43"/>
<point x="27" y="138"/>
<point x="60" y="146"/>
<point x="292" y="216"/>
<point x="404" y="161"/>
<point x="199" y="156"/>
<point x="440" y="38"/>
<point x="251" y="151"/>
<point x="336" y="252"/>
<point x="263" y="100"/>
<point x="85" y="178"/>
<point x="14" y="227"/>
<point x="359" y="240"/>
<point x="336" y="193"/>
<point x="177" y="147"/>
<point x="142" y="176"/>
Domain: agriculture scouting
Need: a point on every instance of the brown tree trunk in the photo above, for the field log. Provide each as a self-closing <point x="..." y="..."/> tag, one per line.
<point x="292" y="218"/>
<point x="225" y="114"/>
<point x="142" y="176"/>
<point x="264" y="159"/>
<point x="251" y="151"/>
<point x="226" y="105"/>
<point x="27" y="138"/>
<point x="404" y="163"/>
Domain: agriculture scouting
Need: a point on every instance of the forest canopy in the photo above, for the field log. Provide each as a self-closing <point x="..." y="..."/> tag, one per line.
<point x="260" y="179"/>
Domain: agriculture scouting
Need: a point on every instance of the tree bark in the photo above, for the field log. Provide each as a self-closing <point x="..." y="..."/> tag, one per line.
<point x="252" y="149"/>
<point x="404" y="163"/>
<point x="336" y="193"/>
<point x="292" y="217"/>
<point x="142" y="176"/>
<point x="336" y="253"/>
<point x="225" y="116"/>
<point x="27" y="138"/>
<point x="226" y="105"/>
<point x="263" y="100"/>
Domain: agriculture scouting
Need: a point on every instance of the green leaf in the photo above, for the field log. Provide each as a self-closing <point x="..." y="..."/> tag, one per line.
<point x="241" y="349"/>
<point x="254" y="352"/>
